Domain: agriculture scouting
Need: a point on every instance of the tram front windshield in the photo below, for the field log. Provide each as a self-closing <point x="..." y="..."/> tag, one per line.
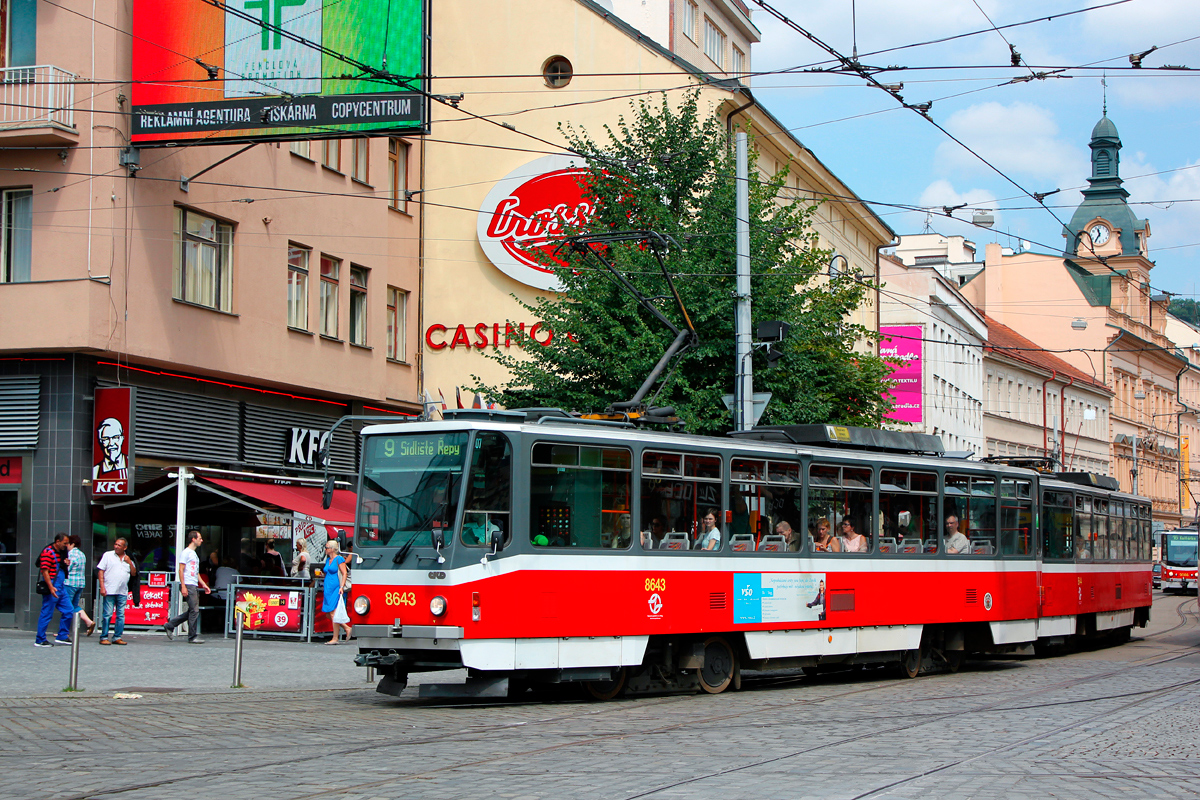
<point x="1181" y="550"/>
<point x="410" y="488"/>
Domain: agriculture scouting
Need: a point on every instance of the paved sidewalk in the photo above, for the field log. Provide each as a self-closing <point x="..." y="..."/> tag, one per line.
<point x="150" y="661"/>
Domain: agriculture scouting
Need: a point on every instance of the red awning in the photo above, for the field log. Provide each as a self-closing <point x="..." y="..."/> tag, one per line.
<point x="300" y="499"/>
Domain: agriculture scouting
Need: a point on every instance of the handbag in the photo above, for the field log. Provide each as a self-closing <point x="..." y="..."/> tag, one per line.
<point x="42" y="587"/>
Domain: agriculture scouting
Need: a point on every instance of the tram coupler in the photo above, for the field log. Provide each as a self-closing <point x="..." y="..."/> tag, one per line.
<point x="374" y="658"/>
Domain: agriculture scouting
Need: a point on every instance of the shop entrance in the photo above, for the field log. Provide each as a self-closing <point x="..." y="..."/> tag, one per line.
<point x="10" y="559"/>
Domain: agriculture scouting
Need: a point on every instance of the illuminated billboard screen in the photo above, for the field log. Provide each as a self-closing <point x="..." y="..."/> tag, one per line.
<point x="240" y="70"/>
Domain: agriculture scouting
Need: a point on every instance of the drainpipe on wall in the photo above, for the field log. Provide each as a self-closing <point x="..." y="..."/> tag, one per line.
<point x="738" y="110"/>
<point x="1112" y="465"/>
<point x="1045" y="433"/>
<point x="1062" y="418"/>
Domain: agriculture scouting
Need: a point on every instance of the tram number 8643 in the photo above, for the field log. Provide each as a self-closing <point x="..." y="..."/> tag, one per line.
<point x="656" y="584"/>
<point x="400" y="598"/>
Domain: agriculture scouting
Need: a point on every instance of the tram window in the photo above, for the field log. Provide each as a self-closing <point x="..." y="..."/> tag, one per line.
<point x="845" y="502"/>
<point x="489" y="491"/>
<point x="1147" y="539"/>
<point x="1116" y="530"/>
<point x="410" y="487"/>
<point x="1100" y="546"/>
<point x="769" y="496"/>
<point x="1016" y="518"/>
<point x="1058" y="513"/>
<point x="1084" y="534"/>
<point x="577" y="499"/>
<point x="680" y="490"/>
<point x="1132" y="526"/>
<point x="972" y="499"/>
<point x="907" y="518"/>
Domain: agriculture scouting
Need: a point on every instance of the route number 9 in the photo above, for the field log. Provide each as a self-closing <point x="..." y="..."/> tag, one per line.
<point x="389" y="447"/>
<point x="656" y="584"/>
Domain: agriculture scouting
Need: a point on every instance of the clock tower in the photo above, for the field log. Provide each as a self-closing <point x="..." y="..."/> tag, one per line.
<point x="1103" y="224"/>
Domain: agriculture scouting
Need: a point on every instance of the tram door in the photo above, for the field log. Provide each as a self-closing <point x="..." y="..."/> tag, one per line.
<point x="10" y="559"/>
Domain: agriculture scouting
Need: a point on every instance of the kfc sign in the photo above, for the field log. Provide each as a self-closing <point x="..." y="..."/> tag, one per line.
<point x="526" y="210"/>
<point x="112" y="448"/>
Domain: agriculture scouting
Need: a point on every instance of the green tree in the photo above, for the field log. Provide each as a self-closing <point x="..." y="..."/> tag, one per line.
<point x="1186" y="310"/>
<point x="670" y="170"/>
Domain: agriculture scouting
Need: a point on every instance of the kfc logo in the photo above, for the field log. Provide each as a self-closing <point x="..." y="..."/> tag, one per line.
<point x="526" y="211"/>
<point x="112" y="447"/>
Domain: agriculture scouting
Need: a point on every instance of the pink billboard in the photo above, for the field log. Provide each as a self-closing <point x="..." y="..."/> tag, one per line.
<point x="901" y="346"/>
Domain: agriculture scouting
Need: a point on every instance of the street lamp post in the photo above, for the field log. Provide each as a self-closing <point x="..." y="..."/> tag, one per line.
<point x="1138" y="395"/>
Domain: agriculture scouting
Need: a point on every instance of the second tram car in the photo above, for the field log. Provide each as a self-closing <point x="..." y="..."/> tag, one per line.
<point x="1179" y="560"/>
<point x="531" y="546"/>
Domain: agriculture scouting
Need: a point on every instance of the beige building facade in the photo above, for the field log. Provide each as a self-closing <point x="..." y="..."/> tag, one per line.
<point x="1187" y="338"/>
<point x="1093" y="305"/>
<point x="485" y="182"/>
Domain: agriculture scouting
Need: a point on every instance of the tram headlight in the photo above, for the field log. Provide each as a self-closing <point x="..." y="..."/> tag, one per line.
<point x="437" y="606"/>
<point x="361" y="605"/>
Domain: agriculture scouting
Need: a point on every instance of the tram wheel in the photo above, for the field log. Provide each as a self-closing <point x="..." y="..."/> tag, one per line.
<point x="910" y="663"/>
<point x="954" y="660"/>
<point x="720" y="664"/>
<point x="606" y="690"/>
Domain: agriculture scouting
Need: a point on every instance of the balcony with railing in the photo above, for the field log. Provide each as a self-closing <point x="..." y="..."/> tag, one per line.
<point x="37" y="106"/>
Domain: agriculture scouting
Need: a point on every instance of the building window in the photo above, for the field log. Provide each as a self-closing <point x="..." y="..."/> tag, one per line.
<point x="714" y="43"/>
<point x="689" y="14"/>
<point x="737" y="61"/>
<point x="302" y="149"/>
<point x="362" y="149"/>
<point x="331" y="153"/>
<point x="330" y="269"/>
<point x="397" y="173"/>
<point x="358" y="305"/>
<point x="557" y="72"/>
<point x="297" y="293"/>
<point x="17" y="244"/>
<point x="203" y="265"/>
<point x="397" y="308"/>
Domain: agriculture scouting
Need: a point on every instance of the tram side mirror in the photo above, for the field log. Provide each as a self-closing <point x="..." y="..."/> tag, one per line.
<point x="341" y="540"/>
<point x="497" y="541"/>
<point x="439" y="541"/>
<point x="327" y="493"/>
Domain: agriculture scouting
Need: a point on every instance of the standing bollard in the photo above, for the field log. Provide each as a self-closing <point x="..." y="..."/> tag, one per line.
<point x="73" y="679"/>
<point x="240" y="616"/>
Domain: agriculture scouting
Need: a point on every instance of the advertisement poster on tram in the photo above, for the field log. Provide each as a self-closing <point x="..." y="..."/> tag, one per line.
<point x="269" y="611"/>
<point x="778" y="597"/>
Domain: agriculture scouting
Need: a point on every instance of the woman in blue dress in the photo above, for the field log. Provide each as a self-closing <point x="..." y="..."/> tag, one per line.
<point x="335" y="583"/>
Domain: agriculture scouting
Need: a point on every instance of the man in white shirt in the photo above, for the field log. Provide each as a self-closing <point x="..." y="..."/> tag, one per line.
<point x="956" y="543"/>
<point x="190" y="582"/>
<point x="115" y="569"/>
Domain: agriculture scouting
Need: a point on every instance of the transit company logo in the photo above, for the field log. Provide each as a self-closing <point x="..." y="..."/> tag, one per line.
<point x="524" y="213"/>
<point x="260" y="60"/>
<point x="656" y="605"/>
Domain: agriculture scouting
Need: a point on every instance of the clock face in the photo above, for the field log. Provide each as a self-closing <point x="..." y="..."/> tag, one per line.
<point x="1099" y="234"/>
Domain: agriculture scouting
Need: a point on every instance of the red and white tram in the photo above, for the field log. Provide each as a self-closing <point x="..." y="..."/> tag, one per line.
<point x="532" y="546"/>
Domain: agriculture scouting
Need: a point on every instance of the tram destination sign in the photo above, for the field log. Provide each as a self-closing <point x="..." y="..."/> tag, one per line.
<point x="214" y="71"/>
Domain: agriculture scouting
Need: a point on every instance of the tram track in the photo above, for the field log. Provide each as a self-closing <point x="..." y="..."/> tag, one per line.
<point x="484" y="733"/>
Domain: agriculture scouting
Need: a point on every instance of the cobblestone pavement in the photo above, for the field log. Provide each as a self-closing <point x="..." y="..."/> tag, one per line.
<point x="1113" y="722"/>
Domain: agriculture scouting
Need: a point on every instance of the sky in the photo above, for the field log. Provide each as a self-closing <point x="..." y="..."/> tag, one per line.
<point x="1035" y="132"/>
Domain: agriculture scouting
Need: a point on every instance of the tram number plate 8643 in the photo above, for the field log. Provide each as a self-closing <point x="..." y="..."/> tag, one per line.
<point x="400" y="598"/>
<point x="656" y="584"/>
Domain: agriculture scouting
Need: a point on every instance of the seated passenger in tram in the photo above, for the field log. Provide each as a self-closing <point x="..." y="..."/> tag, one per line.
<point x="784" y="528"/>
<point x="852" y="540"/>
<point x="823" y="540"/>
<point x="653" y="537"/>
<point x="956" y="542"/>
<point x="709" y="537"/>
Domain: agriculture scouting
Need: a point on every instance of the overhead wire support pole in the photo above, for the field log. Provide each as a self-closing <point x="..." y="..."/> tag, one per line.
<point x="743" y="368"/>
<point x="184" y="181"/>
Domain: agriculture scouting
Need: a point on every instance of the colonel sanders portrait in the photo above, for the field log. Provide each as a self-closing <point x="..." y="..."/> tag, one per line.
<point x="112" y="464"/>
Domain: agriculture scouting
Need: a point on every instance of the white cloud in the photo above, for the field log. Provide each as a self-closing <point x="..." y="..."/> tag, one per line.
<point x="1017" y="138"/>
